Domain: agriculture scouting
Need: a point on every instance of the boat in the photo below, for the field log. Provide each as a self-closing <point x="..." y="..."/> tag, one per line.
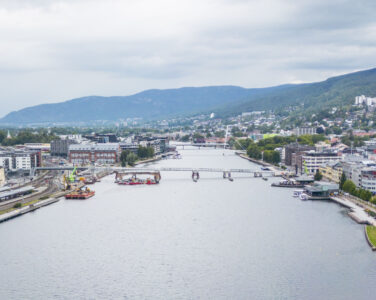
<point x="288" y="184"/>
<point x="80" y="194"/>
<point x="264" y="178"/>
<point x="297" y="193"/>
<point x="90" y="180"/>
<point x="303" y="196"/>
<point x="136" y="181"/>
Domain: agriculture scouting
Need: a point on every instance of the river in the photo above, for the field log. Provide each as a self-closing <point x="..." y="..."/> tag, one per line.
<point x="213" y="239"/>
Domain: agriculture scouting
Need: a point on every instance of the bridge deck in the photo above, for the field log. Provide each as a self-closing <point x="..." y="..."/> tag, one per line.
<point x="162" y="169"/>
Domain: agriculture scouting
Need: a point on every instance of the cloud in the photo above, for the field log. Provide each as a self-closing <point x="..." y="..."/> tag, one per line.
<point x="58" y="49"/>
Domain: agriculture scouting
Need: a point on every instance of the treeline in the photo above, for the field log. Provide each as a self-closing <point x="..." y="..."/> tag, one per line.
<point x="26" y="136"/>
<point x="127" y="157"/>
<point x="350" y="187"/>
<point x="265" y="149"/>
<point x="356" y="141"/>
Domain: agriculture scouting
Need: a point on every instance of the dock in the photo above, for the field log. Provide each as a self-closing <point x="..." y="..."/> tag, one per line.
<point x="24" y="210"/>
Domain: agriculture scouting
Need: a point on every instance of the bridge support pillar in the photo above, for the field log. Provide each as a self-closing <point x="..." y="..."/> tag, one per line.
<point x="227" y="175"/>
<point x="195" y="176"/>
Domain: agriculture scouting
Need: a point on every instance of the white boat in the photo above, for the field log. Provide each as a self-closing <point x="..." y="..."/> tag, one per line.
<point x="303" y="196"/>
<point x="297" y="193"/>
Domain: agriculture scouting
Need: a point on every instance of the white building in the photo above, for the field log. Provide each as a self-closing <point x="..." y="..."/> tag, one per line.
<point x="304" y="130"/>
<point x="360" y="100"/>
<point x="19" y="160"/>
<point x="313" y="160"/>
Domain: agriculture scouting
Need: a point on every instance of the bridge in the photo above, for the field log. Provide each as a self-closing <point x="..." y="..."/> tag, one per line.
<point x="145" y="170"/>
<point x="204" y="145"/>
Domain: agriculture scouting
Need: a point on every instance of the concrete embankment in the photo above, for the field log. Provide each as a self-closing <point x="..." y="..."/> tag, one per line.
<point x="357" y="213"/>
<point x="277" y="171"/>
<point x="24" y="210"/>
<point x="158" y="157"/>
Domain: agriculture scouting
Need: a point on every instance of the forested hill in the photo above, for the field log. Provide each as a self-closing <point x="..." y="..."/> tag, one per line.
<point x="335" y="91"/>
<point x="225" y="100"/>
<point x="150" y="104"/>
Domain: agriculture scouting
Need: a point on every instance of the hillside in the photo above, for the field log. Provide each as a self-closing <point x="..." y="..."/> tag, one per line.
<point x="150" y="104"/>
<point x="340" y="90"/>
<point x="225" y="100"/>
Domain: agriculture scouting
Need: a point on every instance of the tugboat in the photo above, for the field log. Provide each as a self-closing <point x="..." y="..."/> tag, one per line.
<point x="80" y="194"/>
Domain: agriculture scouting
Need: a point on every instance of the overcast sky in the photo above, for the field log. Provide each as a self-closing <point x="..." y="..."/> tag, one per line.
<point x="54" y="50"/>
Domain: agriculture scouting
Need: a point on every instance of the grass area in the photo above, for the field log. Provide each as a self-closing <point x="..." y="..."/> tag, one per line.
<point x="6" y="211"/>
<point x="22" y="205"/>
<point x="371" y="232"/>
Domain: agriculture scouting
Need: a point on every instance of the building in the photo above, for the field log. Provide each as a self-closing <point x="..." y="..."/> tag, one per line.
<point x="294" y="148"/>
<point x="321" y="191"/>
<point x="360" y="100"/>
<point x="102" y="138"/>
<point x="159" y="144"/>
<point x="332" y="171"/>
<point x="312" y="161"/>
<point x="61" y="147"/>
<point x="2" y="176"/>
<point x="107" y="153"/>
<point x="129" y="146"/>
<point x="304" y="130"/>
<point x="13" y="160"/>
<point x="368" y="179"/>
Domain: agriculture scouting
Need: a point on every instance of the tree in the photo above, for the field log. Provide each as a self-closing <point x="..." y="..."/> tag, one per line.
<point x="349" y="186"/>
<point x="342" y="180"/>
<point x="2" y="136"/>
<point x="318" y="175"/>
<point x="254" y="151"/>
<point x="131" y="158"/>
<point x="185" y="138"/>
<point x="123" y="157"/>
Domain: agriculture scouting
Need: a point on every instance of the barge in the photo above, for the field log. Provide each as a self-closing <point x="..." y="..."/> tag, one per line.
<point x="80" y="194"/>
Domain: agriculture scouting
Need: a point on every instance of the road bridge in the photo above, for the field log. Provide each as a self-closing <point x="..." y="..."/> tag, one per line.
<point x="142" y="170"/>
<point x="204" y="145"/>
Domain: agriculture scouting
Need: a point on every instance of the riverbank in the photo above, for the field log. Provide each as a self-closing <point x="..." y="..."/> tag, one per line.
<point x="26" y="209"/>
<point x="277" y="170"/>
<point x="370" y="232"/>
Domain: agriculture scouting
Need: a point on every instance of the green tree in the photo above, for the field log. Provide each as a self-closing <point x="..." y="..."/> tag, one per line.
<point x="254" y="151"/>
<point x="349" y="186"/>
<point x="131" y="158"/>
<point x="123" y="157"/>
<point x="318" y="175"/>
<point x="342" y="180"/>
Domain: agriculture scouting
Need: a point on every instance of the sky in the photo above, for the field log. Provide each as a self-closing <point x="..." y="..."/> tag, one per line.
<point x="55" y="50"/>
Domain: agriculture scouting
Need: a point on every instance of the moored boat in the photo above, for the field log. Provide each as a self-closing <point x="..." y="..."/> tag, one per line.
<point x="80" y="194"/>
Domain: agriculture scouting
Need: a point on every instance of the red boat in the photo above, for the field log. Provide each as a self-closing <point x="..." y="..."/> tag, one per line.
<point x="136" y="181"/>
<point x="80" y="194"/>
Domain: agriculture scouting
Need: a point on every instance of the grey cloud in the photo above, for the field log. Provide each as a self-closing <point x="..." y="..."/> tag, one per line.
<point x="219" y="42"/>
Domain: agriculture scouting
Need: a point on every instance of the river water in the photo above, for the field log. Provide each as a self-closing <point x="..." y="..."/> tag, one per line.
<point x="213" y="239"/>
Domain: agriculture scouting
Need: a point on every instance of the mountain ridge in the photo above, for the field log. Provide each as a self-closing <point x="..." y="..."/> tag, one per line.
<point x="225" y="100"/>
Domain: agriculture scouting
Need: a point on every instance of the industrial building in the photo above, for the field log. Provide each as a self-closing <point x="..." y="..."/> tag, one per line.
<point x="82" y="154"/>
<point x="61" y="147"/>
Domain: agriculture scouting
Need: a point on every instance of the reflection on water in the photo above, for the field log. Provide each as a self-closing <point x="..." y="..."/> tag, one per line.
<point x="213" y="239"/>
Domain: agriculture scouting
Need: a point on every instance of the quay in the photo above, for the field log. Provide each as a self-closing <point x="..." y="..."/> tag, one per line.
<point x="26" y="209"/>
